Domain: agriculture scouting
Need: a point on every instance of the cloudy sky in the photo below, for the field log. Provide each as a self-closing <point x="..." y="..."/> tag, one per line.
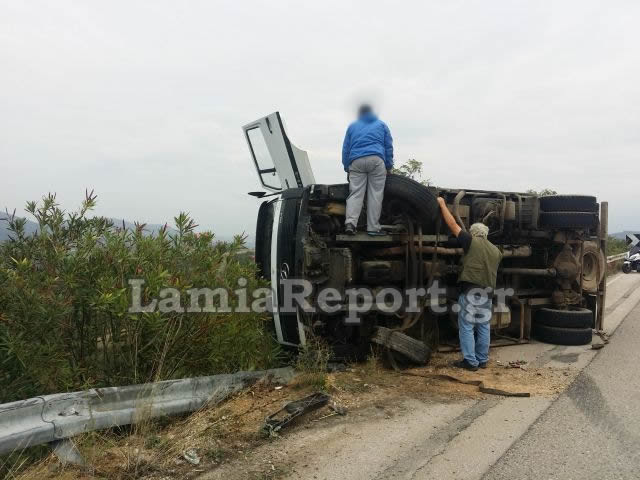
<point x="143" y="101"/>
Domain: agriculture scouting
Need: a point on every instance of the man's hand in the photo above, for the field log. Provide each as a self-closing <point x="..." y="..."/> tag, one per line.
<point x="442" y="203"/>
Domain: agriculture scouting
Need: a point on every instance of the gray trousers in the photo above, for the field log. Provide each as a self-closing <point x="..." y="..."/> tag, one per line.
<point x="366" y="174"/>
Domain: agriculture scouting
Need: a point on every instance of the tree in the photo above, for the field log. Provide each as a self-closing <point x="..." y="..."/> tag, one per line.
<point x="543" y="192"/>
<point x="412" y="169"/>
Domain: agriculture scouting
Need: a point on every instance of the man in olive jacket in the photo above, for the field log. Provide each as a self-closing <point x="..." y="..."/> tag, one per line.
<point x="477" y="281"/>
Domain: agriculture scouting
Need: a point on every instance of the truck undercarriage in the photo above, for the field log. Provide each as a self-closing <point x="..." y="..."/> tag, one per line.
<point x="553" y="265"/>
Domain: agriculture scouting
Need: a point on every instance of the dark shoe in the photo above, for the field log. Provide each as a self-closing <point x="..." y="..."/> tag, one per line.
<point x="464" y="364"/>
<point x="482" y="365"/>
<point x="349" y="229"/>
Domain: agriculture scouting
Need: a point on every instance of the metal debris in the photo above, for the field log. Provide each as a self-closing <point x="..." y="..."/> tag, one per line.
<point x="292" y="410"/>
<point x="191" y="456"/>
<point x="478" y="383"/>
<point x="517" y="364"/>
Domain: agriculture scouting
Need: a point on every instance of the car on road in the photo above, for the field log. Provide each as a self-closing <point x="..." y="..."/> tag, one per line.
<point x="553" y="264"/>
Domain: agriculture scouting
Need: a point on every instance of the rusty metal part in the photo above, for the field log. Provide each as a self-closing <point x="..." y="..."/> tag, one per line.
<point x="567" y="266"/>
<point x="292" y="410"/>
<point x="521" y="251"/>
<point x="510" y="211"/>
<point x="478" y="383"/>
<point x="508" y="252"/>
<point x="538" y="272"/>
<point x="456" y="213"/>
<point x="335" y="208"/>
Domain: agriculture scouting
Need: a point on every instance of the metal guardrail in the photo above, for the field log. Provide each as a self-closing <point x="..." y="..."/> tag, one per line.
<point x="51" y="418"/>
<point x="615" y="258"/>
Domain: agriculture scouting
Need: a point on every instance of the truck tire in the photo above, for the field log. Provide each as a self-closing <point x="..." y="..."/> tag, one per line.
<point x="419" y="198"/>
<point x="412" y="349"/>
<point x="572" y="318"/>
<point x="626" y="268"/>
<point x="568" y="203"/>
<point x="560" y="220"/>
<point x="562" y="336"/>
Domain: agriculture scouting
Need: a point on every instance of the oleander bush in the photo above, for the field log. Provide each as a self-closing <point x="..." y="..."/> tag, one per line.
<point x="65" y="299"/>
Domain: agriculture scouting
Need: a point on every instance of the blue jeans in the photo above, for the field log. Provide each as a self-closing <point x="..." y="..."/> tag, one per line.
<point x="474" y="320"/>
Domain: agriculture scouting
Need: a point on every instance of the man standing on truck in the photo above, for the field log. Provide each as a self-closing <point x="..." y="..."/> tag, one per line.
<point x="477" y="282"/>
<point x="367" y="156"/>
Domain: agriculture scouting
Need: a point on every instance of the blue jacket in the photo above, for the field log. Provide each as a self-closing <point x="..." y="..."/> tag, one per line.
<point x="367" y="136"/>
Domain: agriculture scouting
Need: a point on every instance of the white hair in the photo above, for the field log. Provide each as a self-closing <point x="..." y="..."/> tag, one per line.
<point x="479" y="230"/>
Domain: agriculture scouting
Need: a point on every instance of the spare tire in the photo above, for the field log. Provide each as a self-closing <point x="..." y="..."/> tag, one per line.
<point x="562" y="336"/>
<point x="562" y="220"/>
<point x="568" y="203"/>
<point x="572" y="318"/>
<point x="419" y="199"/>
<point x="593" y="267"/>
<point x="412" y="349"/>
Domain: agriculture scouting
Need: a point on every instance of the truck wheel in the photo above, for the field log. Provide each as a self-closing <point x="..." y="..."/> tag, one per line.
<point x="626" y="268"/>
<point x="568" y="203"/>
<point x="572" y="318"/>
<point x="593" y="267"/>
<point x="562" y="336"/>
<point x="416" y="196"/>
<point x="562" y="220"/>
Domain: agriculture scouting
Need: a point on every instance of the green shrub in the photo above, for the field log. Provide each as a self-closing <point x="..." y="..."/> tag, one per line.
<point x="616" y="246"/>
<point x="64" y="305"/>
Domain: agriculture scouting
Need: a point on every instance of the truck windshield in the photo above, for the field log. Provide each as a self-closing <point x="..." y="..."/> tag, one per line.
<point x="262" y="158"/>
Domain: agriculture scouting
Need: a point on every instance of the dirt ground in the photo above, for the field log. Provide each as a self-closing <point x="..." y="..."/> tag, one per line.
<point x="228" y="436"/>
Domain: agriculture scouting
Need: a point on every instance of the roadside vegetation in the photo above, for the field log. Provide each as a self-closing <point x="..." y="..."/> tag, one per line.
<point x="616" y="246"/>
<point x="64" y="304"/>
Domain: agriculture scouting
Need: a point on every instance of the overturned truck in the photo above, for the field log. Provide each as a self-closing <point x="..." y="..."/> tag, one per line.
<point x="553" y="268"/>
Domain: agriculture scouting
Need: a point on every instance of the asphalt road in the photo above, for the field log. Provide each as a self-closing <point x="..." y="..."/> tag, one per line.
<point x="590" y="431"/>
<point x="593" y="429"/>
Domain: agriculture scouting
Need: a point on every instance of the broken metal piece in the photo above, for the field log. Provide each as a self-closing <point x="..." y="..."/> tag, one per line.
<point x="478" y="383"/>
<point x="292" y="410"/>
<point x="191" y="456"/>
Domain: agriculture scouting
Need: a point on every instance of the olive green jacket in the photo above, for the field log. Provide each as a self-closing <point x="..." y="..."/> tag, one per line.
<point x="480" y="263"/>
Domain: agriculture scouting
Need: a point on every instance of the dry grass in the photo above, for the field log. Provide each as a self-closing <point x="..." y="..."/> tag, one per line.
<point x="230" y="431"/>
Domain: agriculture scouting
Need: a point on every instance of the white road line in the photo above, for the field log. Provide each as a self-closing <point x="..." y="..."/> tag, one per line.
<point x="618" y="277"/>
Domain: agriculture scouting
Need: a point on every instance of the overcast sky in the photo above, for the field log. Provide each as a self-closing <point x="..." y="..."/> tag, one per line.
<point x="143" y="101"/>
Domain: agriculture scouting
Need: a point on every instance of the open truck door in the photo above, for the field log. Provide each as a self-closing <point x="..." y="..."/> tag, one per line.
<point x="282" y="168"/>
<point x="280" y="164"/>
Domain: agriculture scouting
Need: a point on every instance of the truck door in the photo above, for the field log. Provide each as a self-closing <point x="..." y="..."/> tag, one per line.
<point x="279" y="163"/>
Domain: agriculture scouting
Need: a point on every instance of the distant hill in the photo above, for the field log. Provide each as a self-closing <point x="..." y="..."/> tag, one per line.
<point x="623" y="235"/>
<point x="31" y="227"/>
